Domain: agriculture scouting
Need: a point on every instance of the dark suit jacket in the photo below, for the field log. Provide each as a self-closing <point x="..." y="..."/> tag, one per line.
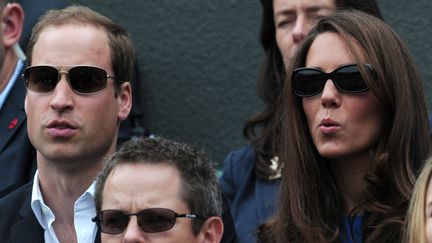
<point x="17" y="155"/>
<point x="251" y="200"/>
<point x="18" y="224"/>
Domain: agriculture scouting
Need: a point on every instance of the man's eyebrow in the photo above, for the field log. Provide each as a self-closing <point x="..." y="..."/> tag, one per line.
<point x="285" y="12"/>
<point x="317" y="8"/>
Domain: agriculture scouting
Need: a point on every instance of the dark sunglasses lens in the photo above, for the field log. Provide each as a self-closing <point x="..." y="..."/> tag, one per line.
<point x="307" y="82"/>
<point x="156" y="220"/>
<point x="349" y="79"/>
<point x="113" y="221"/>
<point x="41" y="79"/>
<point x="85" y="79"/>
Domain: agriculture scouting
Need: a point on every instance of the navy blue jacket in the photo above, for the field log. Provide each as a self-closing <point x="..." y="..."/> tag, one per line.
<point x="17" y="155"/>
<point x="251" y="200"/>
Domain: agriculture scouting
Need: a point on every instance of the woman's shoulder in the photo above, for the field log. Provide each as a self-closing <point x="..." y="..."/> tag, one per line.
<point x="243" y="157"/>
<point x="237" y="167"/>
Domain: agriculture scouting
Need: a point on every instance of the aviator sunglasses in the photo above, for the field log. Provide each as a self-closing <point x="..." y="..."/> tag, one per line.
<point x="347" y="78"/>
<point x="151" y="220"/>
<point x="82" y="79"/>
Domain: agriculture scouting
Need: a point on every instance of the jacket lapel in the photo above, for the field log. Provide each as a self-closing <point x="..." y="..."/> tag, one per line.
<point x="12" y="114"/>
<point x="28" y="228"/>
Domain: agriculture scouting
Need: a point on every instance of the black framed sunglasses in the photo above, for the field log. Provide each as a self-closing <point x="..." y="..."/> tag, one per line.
<point x="151" y="220"/>
<point x="347" y="78"/>
<point x="82" y="79"/>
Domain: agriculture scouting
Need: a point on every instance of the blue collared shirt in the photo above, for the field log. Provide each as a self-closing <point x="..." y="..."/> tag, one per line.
<point x="84" y="211"/>
<point x="5" y="92"/>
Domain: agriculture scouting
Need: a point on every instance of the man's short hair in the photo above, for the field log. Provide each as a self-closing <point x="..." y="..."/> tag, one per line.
<point x="120" y="44"/>
<point x="199" y="187"/>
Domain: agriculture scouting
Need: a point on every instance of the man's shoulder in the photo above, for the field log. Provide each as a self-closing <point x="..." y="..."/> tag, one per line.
<point x="18" y="224"/>
<point x="13" y="201"/>
<point x="12" y="208"/>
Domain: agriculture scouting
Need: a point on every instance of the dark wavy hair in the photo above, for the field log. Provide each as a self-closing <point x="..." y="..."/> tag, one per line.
<point x="262" y="130"/>
<point x="311" y="205"/>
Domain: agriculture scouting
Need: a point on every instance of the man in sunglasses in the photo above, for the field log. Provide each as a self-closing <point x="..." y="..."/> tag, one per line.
<point x="158" y="190"/>
<point x="17" y="155"/>
<point x="78" y="91"/>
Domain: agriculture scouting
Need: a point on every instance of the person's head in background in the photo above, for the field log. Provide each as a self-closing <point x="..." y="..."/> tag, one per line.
<point x="12" y="16"/>
<point x="284" y="25"/>
<point x="419" y="219"/>
<point x="158" y="177"/>
<point x="293" y="19"/>
<point x="354" y="132"/>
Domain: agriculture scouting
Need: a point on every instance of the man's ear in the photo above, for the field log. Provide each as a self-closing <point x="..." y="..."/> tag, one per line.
<point x="124" y="98"/>
<point x="212" y="230"/>
<point x="12" y="24"/>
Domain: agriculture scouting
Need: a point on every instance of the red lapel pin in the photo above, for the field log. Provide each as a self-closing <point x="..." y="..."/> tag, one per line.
<point x="13" y="123"/>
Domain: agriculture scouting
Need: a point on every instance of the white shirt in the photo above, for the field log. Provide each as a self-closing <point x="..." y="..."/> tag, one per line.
<point x="5" y="92"/>
<point x="84" y="211"/>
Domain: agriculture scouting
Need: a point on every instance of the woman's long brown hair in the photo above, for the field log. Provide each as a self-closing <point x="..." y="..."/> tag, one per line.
<point x="263" y="129"/>
<point x="311" y="206"/>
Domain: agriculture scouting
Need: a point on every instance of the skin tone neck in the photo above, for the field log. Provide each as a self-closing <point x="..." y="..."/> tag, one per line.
<point x="349" y="176"/>
<point x="62" y="186"/>
<point x="69" y="182"/>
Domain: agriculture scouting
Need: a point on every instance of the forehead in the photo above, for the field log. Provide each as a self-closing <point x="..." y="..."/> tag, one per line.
<point x="72" y="44"/>
<point x="329" y="50"/>
<point x="280" y="6"/>
<point x="139" y="186"/>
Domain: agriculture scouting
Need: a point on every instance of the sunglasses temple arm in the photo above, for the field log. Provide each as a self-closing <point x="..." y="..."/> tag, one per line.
<point x="188" y="215"/>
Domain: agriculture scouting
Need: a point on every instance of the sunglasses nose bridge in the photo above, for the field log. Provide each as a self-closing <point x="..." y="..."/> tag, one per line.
<point x="60" y="74"/>
<point x="132" y="229"/>
<point x="330" y="91"/>
<point x="64" y="73"/>
<point x="325" y="77"/>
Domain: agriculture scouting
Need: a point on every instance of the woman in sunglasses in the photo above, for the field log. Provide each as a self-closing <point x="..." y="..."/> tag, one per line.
<point x="251" y="175"/>
<point x="354" y="130"/>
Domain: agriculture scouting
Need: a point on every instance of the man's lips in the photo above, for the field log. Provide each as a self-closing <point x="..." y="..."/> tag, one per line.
<point x="63" y="129"/>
